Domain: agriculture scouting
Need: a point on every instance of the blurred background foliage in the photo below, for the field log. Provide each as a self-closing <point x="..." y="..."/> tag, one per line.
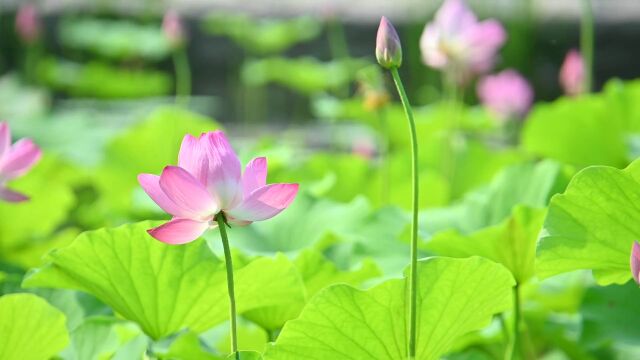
<point x="100" y="92"/>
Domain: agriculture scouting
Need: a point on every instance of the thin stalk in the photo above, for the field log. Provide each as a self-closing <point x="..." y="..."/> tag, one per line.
<point x="385" y="176"/>
<point x="338" y="46"/>
<point x="515" y="344"/>
<point x="587" y="43"/>
<point x="183" y="76"/>
<point x="413" y="277"/>
<point x="505" y="334"/>
<point x="232" y="298"/>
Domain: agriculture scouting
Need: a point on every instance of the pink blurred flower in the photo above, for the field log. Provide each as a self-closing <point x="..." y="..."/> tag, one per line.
<point x="388" y="48"/>
<point x="507" y="94"/>
<point x="208" y="181"/>
<point x="572" y="73"/>
<point x="28" y="23"/>
<point x="457" y="42"/>
<point x="15" y="161"/>
<point x="635" y="261"/>
<point x="173" y="28"/>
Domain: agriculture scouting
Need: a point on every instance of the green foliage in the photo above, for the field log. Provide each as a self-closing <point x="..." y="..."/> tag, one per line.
<point x="106" y="338"/>
<point x="611" y="313"/>
<point x="115" y="39"/>
<point x="100" y="80"/>
<point x="569" y="130"/>
<point x="342" y="322"/>
<point x="137" y="276"/>
<point x="530" y="184"/>
<point x="511" y="243"/>
<point x="145" y="148"/>
<point x="262" y="36"/>
<point x="306" y="75"/>
<point x="51" y="201"/>
<point x="317" y="272"/>
<point x="30" y="328"/>
<point x="593" y="224"/>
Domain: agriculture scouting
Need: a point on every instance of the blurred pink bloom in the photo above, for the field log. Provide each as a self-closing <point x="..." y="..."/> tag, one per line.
<point x="15" y="161"/>
<point x="173" y="29"/>
<point x="635" y="261"/>
<point x="209" y="180"/>
<point x="28" y="23"/>
<point x="457" y="42"/>
<point x="507" y="94"/>
<point x="572" y="73"/>
<point x="388" y="48"/>
<point x="364" y="148"/>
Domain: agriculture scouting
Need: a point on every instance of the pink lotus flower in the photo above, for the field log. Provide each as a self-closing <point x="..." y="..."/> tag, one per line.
<point x="173" y="29"/>
<point x="507" y="94"/>
<point x="635" y="262"/>
<point x="15" y="161"/>
<point x="572" y="74"/>
<point x="27" y="23"/>
<point x="208" y="181"/>
<point x="457" y="42"/>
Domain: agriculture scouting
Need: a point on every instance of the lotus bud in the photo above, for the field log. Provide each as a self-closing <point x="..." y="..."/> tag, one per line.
<point x="388" y="47"/>
<point x="28" y="24"/>
<point x="173" y="29"/>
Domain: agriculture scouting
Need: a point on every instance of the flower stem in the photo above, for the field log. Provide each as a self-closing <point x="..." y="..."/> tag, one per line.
<point x="413" y="277"/>
<point x="586" y="43"/>
<point x="515" y="344"/>
<point x="232" y="299"/>
<point x="183" y="76"/>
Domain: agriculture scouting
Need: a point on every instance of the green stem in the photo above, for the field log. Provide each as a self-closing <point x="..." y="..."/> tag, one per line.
<point x="338" y="46"/>
<point x="587" y="43"/>
<point x="505" y="334"/>
<point x="232" y="299"/>
<point x="385" y="176"/>
<point x="183" y="76"/>
<point x="413" y="278"/>
<point x="515" y="345"/>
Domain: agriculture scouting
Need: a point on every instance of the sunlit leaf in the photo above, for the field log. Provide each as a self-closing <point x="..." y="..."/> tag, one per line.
<point x="593" y="224"/>
<point x="342" y="322"/>
<point x="511" y="243"/>
<point x="51" y="200"/>
<point x="30" y="328"/>
<point x="163" y="288"/>
<point x="530" y="184"/>
<point x="103" y="337"/>
<point x="571" y="129"/>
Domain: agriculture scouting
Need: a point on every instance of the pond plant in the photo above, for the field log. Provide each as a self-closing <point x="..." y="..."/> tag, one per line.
<point x="420" y="221"/>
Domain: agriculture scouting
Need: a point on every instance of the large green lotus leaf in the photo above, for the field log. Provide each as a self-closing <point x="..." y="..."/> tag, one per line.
<point x="592" y="225"/>
<point x="100" y="79"/>
<point x="263" y="36"/>
<point x="51" y="201"/>
<point x="306" y="75"/>
<point x="146" y="148"/>
<point x="161" y="287"/>
<point x="317" y="272"/>
<point x="511" y="243"/>
<point x="581" y="131"/>
<point x="187" y="347"/>
<point x="106" y="338"/>
<point x="456" y="296"/>
<point x="530" y="184"/>
<point x="611" y="313"/>
<point x="117" y="39"/>
<point x="30" y="328"/>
